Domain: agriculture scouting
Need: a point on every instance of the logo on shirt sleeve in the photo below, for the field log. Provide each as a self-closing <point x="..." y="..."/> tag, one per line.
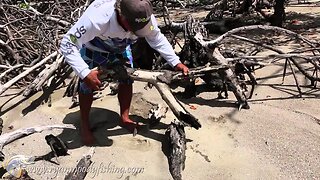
<point x="73" y="38"/>
<point x="79" y="32"/>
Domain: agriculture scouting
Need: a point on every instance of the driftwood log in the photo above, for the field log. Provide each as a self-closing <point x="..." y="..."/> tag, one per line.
<point x="81" y="170"/>
<point x="161" y="79"/>
<point x="177" y="149"/>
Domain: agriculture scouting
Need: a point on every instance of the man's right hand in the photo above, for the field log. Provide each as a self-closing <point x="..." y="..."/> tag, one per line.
<point x="92" y="80"/>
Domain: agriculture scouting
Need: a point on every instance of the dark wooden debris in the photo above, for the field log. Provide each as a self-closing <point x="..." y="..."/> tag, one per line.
<point x="177" y="149"/>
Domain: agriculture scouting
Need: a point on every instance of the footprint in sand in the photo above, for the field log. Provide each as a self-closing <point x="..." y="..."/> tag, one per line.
<point x="135" y="144"/>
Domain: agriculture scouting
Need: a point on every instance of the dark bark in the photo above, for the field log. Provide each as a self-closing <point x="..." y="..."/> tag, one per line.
<point x="177" y="151"/>
<point x="279" y="13"/>
<point x="81" y="169"/>
<point x="244" y="7"/>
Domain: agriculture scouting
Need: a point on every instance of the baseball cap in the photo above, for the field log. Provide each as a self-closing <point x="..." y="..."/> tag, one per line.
<point x="138" y="14"/>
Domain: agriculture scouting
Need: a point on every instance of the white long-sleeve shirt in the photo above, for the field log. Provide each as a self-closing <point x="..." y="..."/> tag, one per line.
<point x="99" y="21"/>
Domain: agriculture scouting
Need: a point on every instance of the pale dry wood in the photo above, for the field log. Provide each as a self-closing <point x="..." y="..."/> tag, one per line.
<point x="178" y="110"/>
<point x="57" y="20"/>
<point x="2" y="42"/>
<point x="281" y="56"/>
<point x="172" y="76"/>
<point x="4" y="66"/>
<point x="10" y="69"/>
<point x="43" y="76"/>
<point x="7" y="85"/>
<point x="168" y="97"/>
<point x="215" y="42"/>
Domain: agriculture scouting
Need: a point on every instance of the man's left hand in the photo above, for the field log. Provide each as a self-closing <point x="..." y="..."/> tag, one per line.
<point x="182" y="67"/>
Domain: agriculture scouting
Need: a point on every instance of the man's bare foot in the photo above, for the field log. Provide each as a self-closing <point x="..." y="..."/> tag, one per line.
<point x="87" y="137"/>
<point x="130" y="125"/>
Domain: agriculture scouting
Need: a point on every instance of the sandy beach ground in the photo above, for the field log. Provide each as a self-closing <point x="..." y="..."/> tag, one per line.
<point x="277" y="138"/>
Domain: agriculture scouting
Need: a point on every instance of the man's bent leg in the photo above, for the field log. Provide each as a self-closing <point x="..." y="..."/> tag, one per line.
<point x="124" y="97"/>
<point x="85" y="102"/>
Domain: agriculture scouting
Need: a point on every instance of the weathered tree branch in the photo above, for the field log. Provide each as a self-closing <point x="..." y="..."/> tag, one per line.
<point x="7" y="85"/>
<point x="171" y="76"/>
<point x="215" y="42"/>
<point x="160" y="79"/>
<point x="43" y="76"/>
<point x="282" y="56"/>
<point x="287" y="56"/>
<point x="10" y="69"/>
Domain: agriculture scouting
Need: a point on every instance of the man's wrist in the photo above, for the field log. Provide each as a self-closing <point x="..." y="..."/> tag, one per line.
<point x="174" y="63"/>
<point x="84" y="73"/>
<point x="177" y="66"/>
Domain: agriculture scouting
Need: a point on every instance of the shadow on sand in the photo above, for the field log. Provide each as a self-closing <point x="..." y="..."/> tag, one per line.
<point x="105" y="124"/>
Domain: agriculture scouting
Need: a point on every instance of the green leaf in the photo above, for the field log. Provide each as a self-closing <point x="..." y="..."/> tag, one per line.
<point x="24" y="6"/>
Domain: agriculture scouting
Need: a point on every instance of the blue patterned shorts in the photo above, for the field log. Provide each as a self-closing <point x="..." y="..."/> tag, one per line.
<point x="105" y="60"/>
